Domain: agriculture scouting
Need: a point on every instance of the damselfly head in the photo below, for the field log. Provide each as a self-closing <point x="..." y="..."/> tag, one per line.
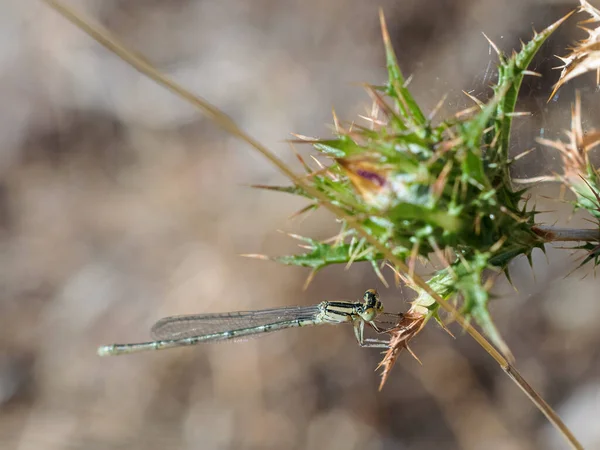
<point x="372" y="306"/>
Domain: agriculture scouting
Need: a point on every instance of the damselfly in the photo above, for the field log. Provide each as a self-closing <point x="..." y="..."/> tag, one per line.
<point x="179" y="331"/>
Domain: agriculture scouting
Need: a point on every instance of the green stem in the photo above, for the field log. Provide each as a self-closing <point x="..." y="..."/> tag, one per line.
<point x="553" y="234"/>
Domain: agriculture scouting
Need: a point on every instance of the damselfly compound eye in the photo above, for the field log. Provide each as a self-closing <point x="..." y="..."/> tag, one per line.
<point x="371" y="299"/>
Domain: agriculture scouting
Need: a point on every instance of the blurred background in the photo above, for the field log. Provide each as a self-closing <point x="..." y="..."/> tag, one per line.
<point x="120" y="204"/>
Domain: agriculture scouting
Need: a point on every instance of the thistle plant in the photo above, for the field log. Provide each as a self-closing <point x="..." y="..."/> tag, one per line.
<point x="424" y="187"/>
<point x="407" y="186"/>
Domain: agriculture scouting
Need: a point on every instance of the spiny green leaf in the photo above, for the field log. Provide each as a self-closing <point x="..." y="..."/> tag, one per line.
<point x="482" y="316"/>
<point x="322" y="255"/>
<point x="476" y="297"/>
<point x="342" y="147"/>
<point x="511" y="73"/>
<point x="396" y="87"/>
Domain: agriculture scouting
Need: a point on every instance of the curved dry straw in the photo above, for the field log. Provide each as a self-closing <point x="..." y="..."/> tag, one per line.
<point x="105" y="38"/>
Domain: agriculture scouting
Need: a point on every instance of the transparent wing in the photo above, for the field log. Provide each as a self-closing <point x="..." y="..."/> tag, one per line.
<point x="178" y="327"/>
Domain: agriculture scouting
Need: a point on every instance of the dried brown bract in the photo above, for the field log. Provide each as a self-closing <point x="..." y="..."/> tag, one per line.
<point x="575" y="152"/>
<point x="408" y="327"/>
<point x="585" y="56"/>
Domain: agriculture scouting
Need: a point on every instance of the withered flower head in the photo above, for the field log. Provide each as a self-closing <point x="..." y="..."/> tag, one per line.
<point x="575" y="152"/>
<point x="408" y="327"/>
<point x="585" y="56"/>
<point x="371" y="180"/>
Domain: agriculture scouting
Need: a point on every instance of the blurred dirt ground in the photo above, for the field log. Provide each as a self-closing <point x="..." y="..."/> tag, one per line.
<point x="120" y="205"/>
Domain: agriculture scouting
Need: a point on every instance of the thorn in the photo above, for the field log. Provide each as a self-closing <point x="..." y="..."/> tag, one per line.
<point x="256" y="256"/>
<point x="519" y="114"/>
<point x="530" y="259"/>
<point x="298" y="237"/>
<point x="379" y="274"/>
<point x="437" y="108"/>
<point x="413" y="353"/>
<point x="364" y="253"/>
<point x="476" y="100"/>
<point x="319" y="163"/>
<point x="534" y="180"/>
<point x="509" y="213"/>
<point x="466" y="112"/>
<point x="303" y="138"/>
<point x="498" y="245"/>
<point x="522" y="155"/>
<point x="321" y="171"/>
<point x="356" y="252"/>
<point x="335" y="121"/>
<point x="300" y="158"/>
<point x="261" y="186"/>
<point x="489" y="283"/>
<point x="464" y="262"/>
<point x="306" y="209"/>
<point x="594" y="222"/>
<point x="372" y="121"/>
<point x="438" y="186"/>
<point x="446" y="329"/>
<point x="341" y="235"/>
<point x="379" y="101"/>
<point x="507" y="275"/>
<point x="396" y="274"/>
<point x="532" y="73"/>
<point x="309" y="279"/>
<point x="387" y="42"/>
<point x="443" y="325"/>
<point x="374" y="114"/>
<point x="403" y="277"/>
<point x="496" y="49"/>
